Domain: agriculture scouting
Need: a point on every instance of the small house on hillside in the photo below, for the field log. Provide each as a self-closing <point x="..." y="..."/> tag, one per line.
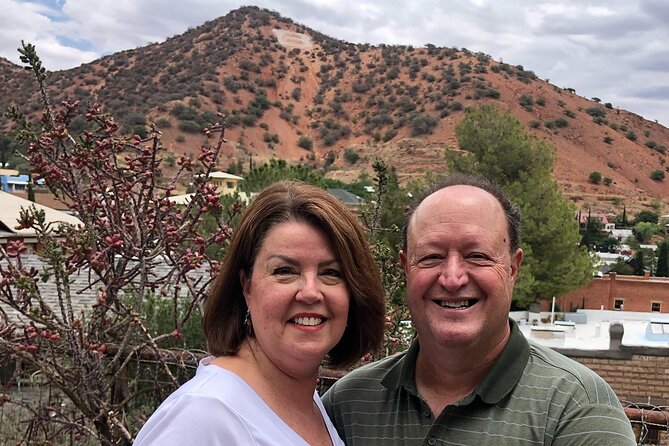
<point x="603" y="219"/>
<point x="226" y="182"/>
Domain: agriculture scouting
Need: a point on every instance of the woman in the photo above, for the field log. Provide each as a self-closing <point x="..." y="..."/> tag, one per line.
<point x="298" y="285"/>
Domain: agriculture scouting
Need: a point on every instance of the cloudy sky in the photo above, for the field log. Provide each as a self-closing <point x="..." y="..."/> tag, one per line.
<point x="616" y="50"/>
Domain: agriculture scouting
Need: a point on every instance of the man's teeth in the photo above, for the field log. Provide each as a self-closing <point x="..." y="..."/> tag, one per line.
<point x="308" y="321"/>
<point x="460" y="304"/>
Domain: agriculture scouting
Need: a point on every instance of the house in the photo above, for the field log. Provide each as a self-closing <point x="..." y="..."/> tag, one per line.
<point x="583" y="220"/>
<point x="621" y="234"/>
<point x="352" y="201"/>
<point x="620" y="293"/>
<point x="10" y="210"/>
<point x="226" y="182"/>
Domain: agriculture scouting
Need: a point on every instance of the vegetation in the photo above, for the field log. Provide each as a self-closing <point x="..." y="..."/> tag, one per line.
<point x="351" y="156"/>
<point x="662" y="269"/>
<point x="500" y="149"/>
<point x="657" y="175"/>
<point x="595" y="177"/>
<point x="305" y="142"/>
<point x="594" y="238"/>
<point x="105" y="368"/>
<point x="643" y="231"/>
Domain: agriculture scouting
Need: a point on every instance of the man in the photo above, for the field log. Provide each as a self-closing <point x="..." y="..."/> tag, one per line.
<point x="470" y="377"/>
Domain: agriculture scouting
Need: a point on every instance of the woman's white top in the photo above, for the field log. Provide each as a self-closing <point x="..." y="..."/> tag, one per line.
<point x="217" y="407"/>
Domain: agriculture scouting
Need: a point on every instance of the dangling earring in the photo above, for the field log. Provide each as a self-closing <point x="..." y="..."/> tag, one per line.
<point x="248" y="324"/>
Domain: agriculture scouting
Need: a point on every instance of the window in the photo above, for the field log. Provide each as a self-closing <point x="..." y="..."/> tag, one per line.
<point x="230" y="185"/>
<point x="655" y="307"/>
<point x="618" y="304"/>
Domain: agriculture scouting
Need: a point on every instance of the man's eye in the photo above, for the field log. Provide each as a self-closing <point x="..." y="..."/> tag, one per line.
<point x="429" y="259"/>
<point x="478" y="256"/>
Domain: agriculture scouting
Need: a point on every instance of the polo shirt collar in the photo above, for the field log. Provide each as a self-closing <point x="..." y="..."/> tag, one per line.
<point x="499" y="382"/>
<point x="402" y="374"/>
<point x="507" y="370"/>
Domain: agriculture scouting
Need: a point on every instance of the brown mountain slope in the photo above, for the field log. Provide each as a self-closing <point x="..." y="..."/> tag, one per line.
<point x="281" y="84"/>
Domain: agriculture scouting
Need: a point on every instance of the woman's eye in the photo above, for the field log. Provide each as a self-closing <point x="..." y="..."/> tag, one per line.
<point x="333" y="272"/>
<point x="283" y="271"/>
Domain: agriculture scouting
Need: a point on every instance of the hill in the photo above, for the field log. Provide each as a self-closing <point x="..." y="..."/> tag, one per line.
<point x="293" y="93"/>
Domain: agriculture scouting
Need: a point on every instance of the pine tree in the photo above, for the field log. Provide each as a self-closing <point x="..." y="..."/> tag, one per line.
<point x="663" y="259"/>
<point x="639" y="261"/>
<point x="501" y="150"/>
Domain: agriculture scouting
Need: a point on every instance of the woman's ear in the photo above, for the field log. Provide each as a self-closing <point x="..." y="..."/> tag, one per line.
<point x="246" y="285"/>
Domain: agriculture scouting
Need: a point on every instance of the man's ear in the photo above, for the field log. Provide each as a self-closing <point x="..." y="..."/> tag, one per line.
<point x="403" y="260"/>
<point x="516" y="260"/>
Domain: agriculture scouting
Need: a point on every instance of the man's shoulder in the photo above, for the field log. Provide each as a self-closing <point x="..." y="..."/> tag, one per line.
<point x="550" y="365"/>
<point x="369" y="375"/>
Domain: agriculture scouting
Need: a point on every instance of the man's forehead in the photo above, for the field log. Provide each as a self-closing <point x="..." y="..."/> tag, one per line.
<point x="453" y="198"/>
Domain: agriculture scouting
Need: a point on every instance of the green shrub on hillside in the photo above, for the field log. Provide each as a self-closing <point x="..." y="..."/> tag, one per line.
<point x="595" y="177"/>
<point x="657" y="175"/>
<point x="305" y="142"/>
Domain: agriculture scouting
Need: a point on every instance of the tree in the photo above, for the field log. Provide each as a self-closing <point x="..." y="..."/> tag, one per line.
<point x="138" y="253"/>
<point x="622" y="267"/>
<point x="276" y="170"/>
<point x="662" y="259"/>
<point x="646" y="216"/>
<point x="638" y="263"/>
<point x="501" y="150"/>
<point x="643" y="231"/>
<point x="595" y="238"/>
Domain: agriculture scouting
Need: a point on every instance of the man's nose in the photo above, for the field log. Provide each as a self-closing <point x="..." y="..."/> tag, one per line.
<point x="453" y="275"/>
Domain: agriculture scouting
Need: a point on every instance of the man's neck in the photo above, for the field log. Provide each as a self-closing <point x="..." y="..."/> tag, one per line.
<point x="446" y="375"/>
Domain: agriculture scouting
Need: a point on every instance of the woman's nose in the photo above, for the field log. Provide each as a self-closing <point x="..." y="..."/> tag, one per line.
<point x="310" y="291"/>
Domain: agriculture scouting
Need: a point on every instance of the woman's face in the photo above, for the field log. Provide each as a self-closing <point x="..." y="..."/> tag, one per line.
<point x="297" y="297"/>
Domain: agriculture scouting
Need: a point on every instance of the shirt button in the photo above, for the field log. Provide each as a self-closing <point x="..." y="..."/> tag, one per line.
<point x="427" y="413"/>
<point x="431" y="441"/>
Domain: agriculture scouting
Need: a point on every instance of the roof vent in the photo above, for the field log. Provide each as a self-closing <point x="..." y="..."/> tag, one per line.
<point x="658" y="330"/>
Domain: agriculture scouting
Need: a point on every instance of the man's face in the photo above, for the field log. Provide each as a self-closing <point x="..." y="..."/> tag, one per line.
<point x="460" y="272"/>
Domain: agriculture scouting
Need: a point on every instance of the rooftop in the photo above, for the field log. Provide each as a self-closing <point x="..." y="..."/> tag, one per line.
<point x="589" y="329"/>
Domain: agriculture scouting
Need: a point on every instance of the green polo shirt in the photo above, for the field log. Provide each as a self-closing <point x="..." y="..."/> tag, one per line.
<point x="531" y="396"/>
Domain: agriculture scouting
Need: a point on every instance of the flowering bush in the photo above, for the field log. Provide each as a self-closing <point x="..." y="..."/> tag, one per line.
<point x="135" y="248"/>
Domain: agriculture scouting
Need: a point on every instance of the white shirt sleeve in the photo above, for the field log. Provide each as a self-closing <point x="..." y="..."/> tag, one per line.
<point x="194" y="420"/>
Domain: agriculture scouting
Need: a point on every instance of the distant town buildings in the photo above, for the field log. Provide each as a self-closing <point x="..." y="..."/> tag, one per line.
<point x="620" y="293"/>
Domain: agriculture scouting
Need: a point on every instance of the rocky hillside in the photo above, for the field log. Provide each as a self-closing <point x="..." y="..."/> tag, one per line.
<point x="293" y="93"/>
